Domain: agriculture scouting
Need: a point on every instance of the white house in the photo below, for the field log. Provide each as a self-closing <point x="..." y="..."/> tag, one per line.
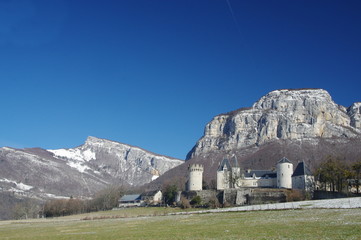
<point x="152" y="197"/>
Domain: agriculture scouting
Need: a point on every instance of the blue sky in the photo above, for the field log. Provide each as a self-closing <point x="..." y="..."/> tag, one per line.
<point x="153" y="73"/>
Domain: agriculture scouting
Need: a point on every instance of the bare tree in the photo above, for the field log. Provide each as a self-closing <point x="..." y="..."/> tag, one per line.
<point x="28" y="208"/>
<point x="356" y="167"/>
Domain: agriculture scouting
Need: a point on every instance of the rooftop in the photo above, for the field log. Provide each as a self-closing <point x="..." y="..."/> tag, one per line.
<point x="284" y="160"/>
<point x="301" y="169"/>
<point x="132" y="197"/>
<point x="224" y="163"/>
<point x="150" y="193"/>
<point x="261" y="173"/>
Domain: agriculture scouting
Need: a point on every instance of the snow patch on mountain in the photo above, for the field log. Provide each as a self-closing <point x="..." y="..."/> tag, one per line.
<point x="78" y="166"/>
<point x="52" y="196"/>
<point x="18" y="186"/>
<point x="74" y="153"/>
<point x="76" y="157"/>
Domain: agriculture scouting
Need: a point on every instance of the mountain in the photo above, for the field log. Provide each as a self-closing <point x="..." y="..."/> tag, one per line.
<point x="302" y="124"/>
<point x="79" y="171"/>
<point x="283" y="114"/>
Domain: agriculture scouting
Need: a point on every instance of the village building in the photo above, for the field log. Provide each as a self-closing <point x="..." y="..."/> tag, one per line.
<point x="133" y="200"/>
<point x="152" y="197"/>
<point x="145" y="199"/>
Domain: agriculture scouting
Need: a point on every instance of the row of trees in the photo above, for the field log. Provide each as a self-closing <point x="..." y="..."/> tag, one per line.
<point x="170" y="192"/>
<point x="106" y="199"/>
<point x="26" y="208"/>
<point x="336" y="175"/>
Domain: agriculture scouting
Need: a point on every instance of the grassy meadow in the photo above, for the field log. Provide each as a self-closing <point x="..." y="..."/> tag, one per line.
<point x="152" y="223"/>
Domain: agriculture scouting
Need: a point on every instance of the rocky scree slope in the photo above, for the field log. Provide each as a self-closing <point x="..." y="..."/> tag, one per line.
<point x="80" y="171"/>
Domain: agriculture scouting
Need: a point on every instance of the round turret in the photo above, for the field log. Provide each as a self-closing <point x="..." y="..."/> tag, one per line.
<point x="195" y="177"/>
<point x="284" y="173"/>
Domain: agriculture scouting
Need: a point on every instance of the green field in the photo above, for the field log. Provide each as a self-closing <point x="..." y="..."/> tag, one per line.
<point x="149" y="223"/>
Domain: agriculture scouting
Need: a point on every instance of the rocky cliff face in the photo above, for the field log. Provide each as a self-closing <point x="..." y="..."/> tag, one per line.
<point x="355" y="115"/>
<point x="79" y="171"/>
<point x="129" y="164"/>
<point x="302" y="125"/>
<point x="280" y="115"/>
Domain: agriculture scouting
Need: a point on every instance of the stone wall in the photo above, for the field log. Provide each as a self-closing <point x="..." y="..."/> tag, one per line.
<point x="251" y="196"/>
<point x="330" y="195"/>
<point x="262" y="196"/>
<point x="244" y="196"/>
<point x="241" y="196"/>
<point x="205" y="195"/>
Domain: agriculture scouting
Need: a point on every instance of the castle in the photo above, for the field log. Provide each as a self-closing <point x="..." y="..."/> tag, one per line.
<point x="230" y="176"/>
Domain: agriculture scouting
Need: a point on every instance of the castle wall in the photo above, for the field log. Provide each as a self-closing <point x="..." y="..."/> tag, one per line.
<point x="229" y="197"/>
<point x="252" y="196"/>
<point x="256" y="182"/>
<point x="206" y="196"/>
<point x="298" y="182"/>
<point x="303" y="182"/>
<point x="264" y="196"/>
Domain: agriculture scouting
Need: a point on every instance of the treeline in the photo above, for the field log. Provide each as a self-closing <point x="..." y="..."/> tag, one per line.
<point x="338" y="176"/>
<point x="170" y="191"/>
<point x="103" y="200"/>
<point x="12" y="207"/>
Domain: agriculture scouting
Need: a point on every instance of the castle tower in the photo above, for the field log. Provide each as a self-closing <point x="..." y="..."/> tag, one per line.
<point x="284" y="173"/>
<point x="236" y="172"/>
<point x="195" y="177"/>
<point x="224" y="175"/>
<point x="302" y="178"/>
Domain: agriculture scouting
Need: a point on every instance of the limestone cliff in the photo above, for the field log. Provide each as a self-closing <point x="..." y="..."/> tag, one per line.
<point x="280" y="115"/>
<point x="355" y="115"/>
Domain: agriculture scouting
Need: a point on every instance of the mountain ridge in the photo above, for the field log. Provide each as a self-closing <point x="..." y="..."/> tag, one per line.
<point x="280" y="114"/>
<point x="79" y="171"/>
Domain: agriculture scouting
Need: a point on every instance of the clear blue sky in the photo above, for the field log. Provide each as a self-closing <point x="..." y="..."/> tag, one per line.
<point x="152" y="73"/>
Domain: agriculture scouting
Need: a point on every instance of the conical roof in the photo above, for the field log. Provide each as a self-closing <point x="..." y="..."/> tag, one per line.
<point x="284" y="160"/>
<point x="301" y="170"/>
<point x="224" y="163"/>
